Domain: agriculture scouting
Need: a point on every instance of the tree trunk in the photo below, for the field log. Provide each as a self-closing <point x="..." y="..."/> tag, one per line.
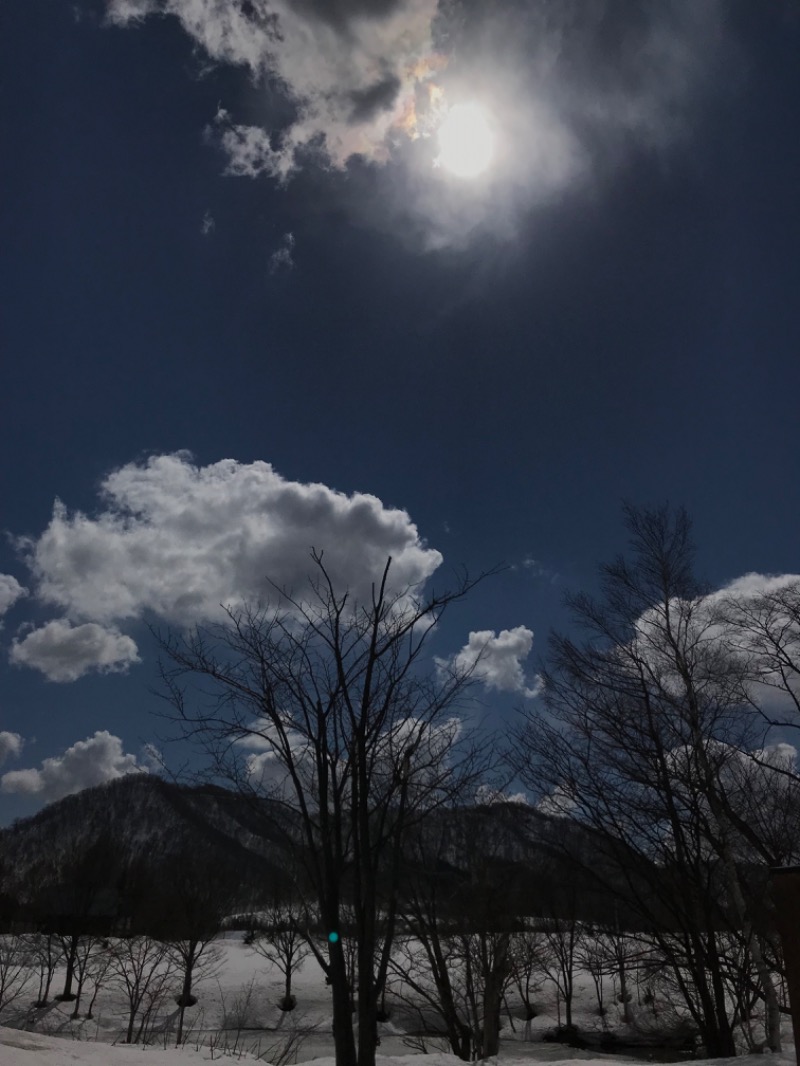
<point x="493" y="998"/>
<point x="623" y="989"/>
<point x="772" y="1023"/>
<point x="367" y="1005"/>
<point x="79" y="993"/>
<point x="186" y="992"/>
<point x="719" y="1044"/>
<point x="71" y="954"/>
<point x="46" y="970"/>
<point x="343" y="1037"/>
<point x="718" y="1036"/>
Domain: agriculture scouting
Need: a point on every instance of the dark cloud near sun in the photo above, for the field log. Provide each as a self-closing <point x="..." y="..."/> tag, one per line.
<point x="339" y="13"/>
<point x="577" y="90"/>
<point x="574" y="89"/>
<point x="378" y="97"/>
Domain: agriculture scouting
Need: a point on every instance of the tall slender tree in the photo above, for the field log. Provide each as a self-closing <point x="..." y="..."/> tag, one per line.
<point x="326" y="707"/>
<point x="640" y="720"/>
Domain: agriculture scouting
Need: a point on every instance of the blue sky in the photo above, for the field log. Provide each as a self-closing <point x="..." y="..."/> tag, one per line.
<point x="229" y="235"/>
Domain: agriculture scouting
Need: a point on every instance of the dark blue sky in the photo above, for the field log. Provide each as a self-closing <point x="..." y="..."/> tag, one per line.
<point x="629" y="329"/>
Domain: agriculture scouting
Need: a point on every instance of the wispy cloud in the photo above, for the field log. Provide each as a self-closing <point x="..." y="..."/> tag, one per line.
<point x="281" y="258"/>
<point x="350" y="69"/>
<point x="538" y="570"/>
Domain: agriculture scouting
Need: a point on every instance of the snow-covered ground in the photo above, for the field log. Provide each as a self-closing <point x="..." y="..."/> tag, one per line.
<point x="237" y="1018"/>
<point x="34" y="1049"/>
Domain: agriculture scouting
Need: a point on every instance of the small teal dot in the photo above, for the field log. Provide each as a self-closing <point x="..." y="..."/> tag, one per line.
<point x="333" y="937"/>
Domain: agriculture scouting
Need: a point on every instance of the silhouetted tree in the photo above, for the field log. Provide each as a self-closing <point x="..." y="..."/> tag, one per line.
<point x="458" y="959"/>
<point x="142" y="968"/>
<point x="91" y="962"/>
<point x="348" y="734"/>
<point x="561" y="942"/>
<point x="45" y="950"/>
<point x="191" y="897"/>
<point x="15" y="969"/>
<point x="640" y="721"/>
<point x="81" y="893"/>
<point x="281" y="941"/>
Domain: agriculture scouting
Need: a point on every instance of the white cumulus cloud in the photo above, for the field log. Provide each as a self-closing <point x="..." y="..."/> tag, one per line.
<point x="496" y="660"/>
<point x="752" y="586"/>
<point x="10" y="745"/>
<point x="10" y="592"/>
<point x="748" y="618"/>
<point x="64" y="652"/>
<point x="178" y="540"/>
<point x="89" y="762"/>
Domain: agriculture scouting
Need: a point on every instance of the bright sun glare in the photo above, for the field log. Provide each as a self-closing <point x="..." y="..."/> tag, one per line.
<point x="466" y="142"/>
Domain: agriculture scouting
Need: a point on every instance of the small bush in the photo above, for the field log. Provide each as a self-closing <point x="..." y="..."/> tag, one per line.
<point x="288" y="1003"/>
<point x="565" y="1034"/>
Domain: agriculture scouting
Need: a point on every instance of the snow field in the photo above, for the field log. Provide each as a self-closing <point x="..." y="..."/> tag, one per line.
<point x="237" y="1018"/>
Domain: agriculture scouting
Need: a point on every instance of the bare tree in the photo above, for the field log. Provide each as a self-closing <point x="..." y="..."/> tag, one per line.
<point x="562" y="941"/>
<point x="641" y="720"/>
<point x="184" y="904"/>
<point x="280" y="940"/>
<point x="592" y="957"/>
<point x="460" y="980"/>
<point x="525" y="950"/>
<point x="15" y="968"/>
<point x="141" y="968"/>
<point x="196" y="960"/>
<point x="322" y="705"/>
<point x="763" y="630"/>
<point x="96" y="970"/>
<point x="91" y="960"/>
<point x="428" y="972"/>
<point x="81" y="879"/>
<point x="456" y="904"/>
<point x="620" y="951"/>
<point x="45" y="950"/>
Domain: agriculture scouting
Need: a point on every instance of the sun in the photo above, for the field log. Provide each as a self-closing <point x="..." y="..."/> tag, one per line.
<point x="466" y="141"/>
